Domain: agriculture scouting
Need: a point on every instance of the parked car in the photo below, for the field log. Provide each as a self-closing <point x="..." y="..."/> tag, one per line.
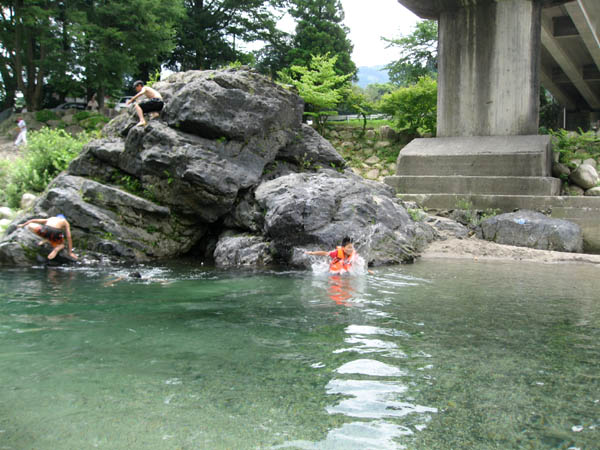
<point x="69" y="105"/>
<point x="122" y="103"/>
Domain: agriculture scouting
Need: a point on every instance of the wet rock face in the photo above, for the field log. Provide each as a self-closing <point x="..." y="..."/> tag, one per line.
<point x="534" y="230"/>
<point x="319" y="209"/>
<point x="229" y="152"/>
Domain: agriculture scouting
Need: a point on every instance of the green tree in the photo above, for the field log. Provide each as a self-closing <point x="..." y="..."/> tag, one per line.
<point x="358" y="102"/>
<point x="274" y="56"/>
<point x="375" y="91"/>
<point x="319" y="86"/>
<point x="209" y="34"/>
<point x="319" y="31"/>
<point x="143" y="29"/>
<point x="28" y="48"/>
<point x="74" y="46"/>
<point x="414" y="107"/>
<point x="418" y="56"/>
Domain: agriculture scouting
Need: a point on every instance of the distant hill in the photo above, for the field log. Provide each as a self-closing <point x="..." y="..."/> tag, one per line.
<point x="370" y="75"/>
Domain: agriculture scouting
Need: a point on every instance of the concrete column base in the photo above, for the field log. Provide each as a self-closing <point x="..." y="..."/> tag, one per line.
<point x="510" y="156"/>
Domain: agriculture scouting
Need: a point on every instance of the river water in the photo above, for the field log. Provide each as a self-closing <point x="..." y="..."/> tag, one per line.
<point x="435" y="355"/>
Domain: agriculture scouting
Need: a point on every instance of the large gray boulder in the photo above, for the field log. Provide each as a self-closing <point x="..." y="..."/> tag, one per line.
<point x="319" y="209"/>
<point x="534" y="230"/>
<point x="242" y="250"/>
<point x="228" y="171"/>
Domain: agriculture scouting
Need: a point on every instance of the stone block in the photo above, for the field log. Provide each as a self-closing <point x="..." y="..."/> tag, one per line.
<point x="524" y="156"/>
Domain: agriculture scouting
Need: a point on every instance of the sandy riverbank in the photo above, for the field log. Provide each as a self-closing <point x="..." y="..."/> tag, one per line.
<point x="477" y="249"/>
<point x="8" y="149"/>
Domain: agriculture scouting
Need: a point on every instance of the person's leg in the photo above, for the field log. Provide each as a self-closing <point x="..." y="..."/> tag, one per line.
<point x="57" y="249"/>
<point x="36" y="229"/>
<point x="140" y="114"/>
<point x="19" y="139"/>
<point x="156" y="107"/>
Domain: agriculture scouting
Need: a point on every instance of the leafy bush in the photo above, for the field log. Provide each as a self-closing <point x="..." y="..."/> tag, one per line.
<point x="319" y="85"/>
<point x="45" y="115"/>
<point x="48" y="153"/>
<point x="93" y="123"/>
<point x="81" y="115"/>
<point x="414" y="107"/>
<point x="571" y="145"/>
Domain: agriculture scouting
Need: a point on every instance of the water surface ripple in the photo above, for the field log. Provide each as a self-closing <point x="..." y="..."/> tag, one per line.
<point x="435" y="355"/>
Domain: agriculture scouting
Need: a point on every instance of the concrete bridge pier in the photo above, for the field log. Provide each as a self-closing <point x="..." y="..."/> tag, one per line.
<point x="487" y="148"/>
<point x="488" y="69"/>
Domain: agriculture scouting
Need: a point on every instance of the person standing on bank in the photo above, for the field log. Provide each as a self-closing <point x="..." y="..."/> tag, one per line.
<point x="153" y="105"/>
<point x="22" y="137"/>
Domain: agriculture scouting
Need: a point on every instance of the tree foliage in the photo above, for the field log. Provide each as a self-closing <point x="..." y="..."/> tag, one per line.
<point x="142" y="29"/>
<point x="28" y="47"/>
<point x="74" y="46"/>
<point x="375" y="91"/>
<point x="208" y="35"/>
<point x="414" y="107"/>
<point x="319" y="85"/>
<point x="319" y="31"/>
<point x="418" y="55"/>
<point x="358" y="102"/>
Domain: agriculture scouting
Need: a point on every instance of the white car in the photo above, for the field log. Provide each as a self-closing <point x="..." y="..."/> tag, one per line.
<point x="122" y="103"/>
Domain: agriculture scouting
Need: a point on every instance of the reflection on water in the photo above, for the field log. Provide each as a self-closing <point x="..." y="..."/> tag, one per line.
<point x="433" y="355"/>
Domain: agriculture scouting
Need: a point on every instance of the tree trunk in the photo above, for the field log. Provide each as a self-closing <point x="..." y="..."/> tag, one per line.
<point x="100" y="97"/>
<point x="10" y="87"/>
<point x="25" y="42"/>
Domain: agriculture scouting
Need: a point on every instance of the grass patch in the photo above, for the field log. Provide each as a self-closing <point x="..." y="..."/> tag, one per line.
<point x="48" y="153"/>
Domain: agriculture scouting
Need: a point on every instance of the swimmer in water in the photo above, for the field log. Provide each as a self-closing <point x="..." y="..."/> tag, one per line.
<point x="341" y="258"/>
<point x="137" y="276"/>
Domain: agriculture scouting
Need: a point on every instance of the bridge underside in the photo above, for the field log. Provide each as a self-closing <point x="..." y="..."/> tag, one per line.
<point x="493" y="55"/>
<point x="568" y="49"/>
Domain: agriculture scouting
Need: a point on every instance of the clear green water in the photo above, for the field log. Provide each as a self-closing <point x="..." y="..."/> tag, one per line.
<point x="435" y="355"/>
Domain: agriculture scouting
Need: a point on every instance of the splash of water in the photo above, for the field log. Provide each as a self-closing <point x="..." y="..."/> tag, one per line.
<point x="358" y="265"/>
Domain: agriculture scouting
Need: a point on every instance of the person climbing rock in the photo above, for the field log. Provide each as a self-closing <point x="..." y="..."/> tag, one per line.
<point x="152" y="106"/>
<point x="53" y="231"/>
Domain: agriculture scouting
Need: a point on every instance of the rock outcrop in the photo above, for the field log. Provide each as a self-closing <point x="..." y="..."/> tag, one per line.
<point x="228" y="173"/>
<point x="534" y="230"/>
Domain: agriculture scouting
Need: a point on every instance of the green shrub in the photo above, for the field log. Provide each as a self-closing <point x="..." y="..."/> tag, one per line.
<point x="45" y="115"/>
<point x="81" y="115"/>
<point x="572" y="145"/>
<point x="48" y="153"/>
<point x="94" y="122"/>
<point x="414" y="107"/>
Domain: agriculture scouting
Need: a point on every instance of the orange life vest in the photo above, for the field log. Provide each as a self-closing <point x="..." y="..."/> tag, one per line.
<point x="340" y="262"/>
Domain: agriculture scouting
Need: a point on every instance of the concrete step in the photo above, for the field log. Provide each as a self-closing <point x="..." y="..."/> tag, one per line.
<point x="584" y="211"/>
<point x="411" y="184"/>
<point x="517" y="156"/>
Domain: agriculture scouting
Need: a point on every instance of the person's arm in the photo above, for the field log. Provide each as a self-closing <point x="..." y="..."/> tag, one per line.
<point x="69" y="241"/>
<point x="135" y="97"/>
<point x="317" y="253"/>
<point x="40" y="221"/>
